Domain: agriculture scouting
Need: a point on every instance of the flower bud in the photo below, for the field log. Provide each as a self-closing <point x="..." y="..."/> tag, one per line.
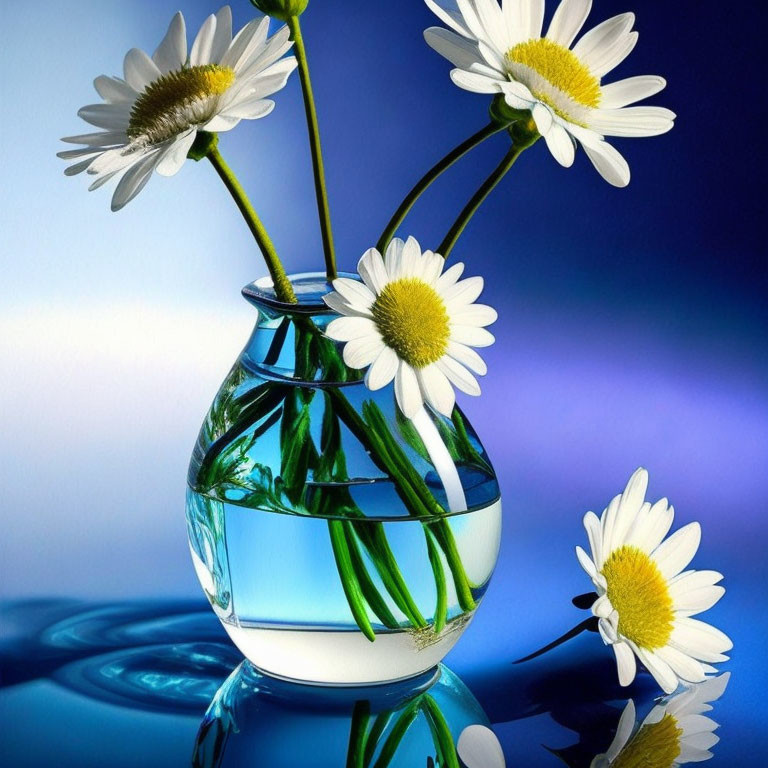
<point x="281" y="9"/>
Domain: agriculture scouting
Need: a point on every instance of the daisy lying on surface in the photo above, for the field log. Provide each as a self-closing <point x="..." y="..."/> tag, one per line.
<point x="645" y="597"/>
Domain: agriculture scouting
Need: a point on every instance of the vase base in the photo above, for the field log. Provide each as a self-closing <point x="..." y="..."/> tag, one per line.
<point x="328" y="657"/>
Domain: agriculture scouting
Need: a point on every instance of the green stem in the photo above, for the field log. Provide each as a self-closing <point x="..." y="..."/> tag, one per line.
<point x="441" y="609"/>
<point x="441" y="733"/>
<point x="361" y="713"/>
<point x="314" y="142"/>
<point x="525" y="141"/>
<point x="283" y="287"/>
<point x="431" y="176"/>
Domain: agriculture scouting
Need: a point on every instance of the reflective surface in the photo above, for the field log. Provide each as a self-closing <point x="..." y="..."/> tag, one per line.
<point x="149" y="684"/>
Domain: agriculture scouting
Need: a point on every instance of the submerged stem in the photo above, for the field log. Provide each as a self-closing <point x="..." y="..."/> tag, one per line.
<point x="431" y="176"/>
<point x="318" y="168"/>
<point x="283" y="287"/>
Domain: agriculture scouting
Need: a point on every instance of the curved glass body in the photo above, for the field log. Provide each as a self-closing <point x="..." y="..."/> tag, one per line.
<point x="319" y="527"/>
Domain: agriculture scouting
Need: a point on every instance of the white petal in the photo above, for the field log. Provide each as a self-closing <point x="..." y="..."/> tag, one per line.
<point x="697" y="600"/>
<point x="222" y="38"/>
<point x="432" y="267"/>
<point x="261" y="58"/>
<point x="98" y="139"/>
<point x="674" y="554"/>
<point x="221" y="123"/>
<point x="560" y="144"/>
<point x="349" y="328"/>
<point x="450" y="17"/>
<point x="602" y="607"/>
<point x="478" y="747"/>
<point x="594" y="534"/>
<point x="171" y="54"/>
<point x="448" y="278"/>
<point x="458" y="50"/>
<point x="71" y="154"/>
<point x="392" y="258"/>
<point x="524" y="18"/>
<point x="628" y="91"/>
<point x="682" y="664"/>
<point x="463" y="293"/>
<point x="114" y="90"/>
<point x="437" y="390"/>
<point x="339" y="304"/>
<point x="693" y="580"/>
<point x="139" y="69"/>
<point x="586" y="563"/>
<point x="112" y="117"/>
<point x="594" y="42"/>
<point x="74" y="170"/>
<point x="625" y="662"/>
<point x="475" y="82"/>
<point x="661" y="671"/>
<point x="478" y="315"/>
<point x="459" y="375"/>
<point x="134" y="180"/>
<point x="623" y="731"/>
<point x="249" y="39"/>
<point x="360" y="353"/>
<point x="250" y="109"/>
<point x="371" y="268"/>
<point x="355" y="293"/>
<point x="568" y="20"/>
<point x="410" y="258"/>
<point x="382" y="370"/>
<point x="543" y="118"/>
<point x="273" y="78"/>
<point x="467" y="356"/>
<point x="632" y="121"/>
<point x="471" y="336"/>
<point x="612" y="56"/>
<point x="700" y="640"/>
<point x="492" y="22"/>
<point x="174" y="157"/>
<point x="407" y="390"/>
<point x="630" y="506"/>
<point x="609" y="163"/>
<point x="201" y="48"/>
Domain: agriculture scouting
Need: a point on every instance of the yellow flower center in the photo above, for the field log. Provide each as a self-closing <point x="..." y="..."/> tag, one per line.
<point x="654" y="746"/>
<point x="177" y="101"/>
<point x="412" y="319"/>
<point x="639" y="593"/>
<point x="556" y="72"/>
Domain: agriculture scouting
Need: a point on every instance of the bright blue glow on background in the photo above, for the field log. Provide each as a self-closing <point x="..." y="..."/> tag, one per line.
<point x="632" y="326"/>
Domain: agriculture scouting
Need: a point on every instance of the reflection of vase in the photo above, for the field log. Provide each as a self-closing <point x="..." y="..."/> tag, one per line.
<point x="256" y="720"/>
<point x="323" y="525"/>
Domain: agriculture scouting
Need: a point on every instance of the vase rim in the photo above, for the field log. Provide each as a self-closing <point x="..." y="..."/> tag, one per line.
<point x="310" y="287"/>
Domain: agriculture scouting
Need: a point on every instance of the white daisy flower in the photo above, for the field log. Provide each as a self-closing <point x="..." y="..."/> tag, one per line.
<point x="674" y="733"/>
<point x="150" y="118"/>
<point x="646" y="599"/>
<point x="411" y="322"/>
<point x="500" y="49"/>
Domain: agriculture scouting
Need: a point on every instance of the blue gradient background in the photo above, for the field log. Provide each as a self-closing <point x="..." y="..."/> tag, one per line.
<point x="632" y="322"/>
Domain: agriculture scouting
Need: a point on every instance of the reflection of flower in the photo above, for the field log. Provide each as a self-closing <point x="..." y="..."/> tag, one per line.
<point x="675" y="732"/>
<point x="411" y="322"/>
<point x="645" y="600"/>
<point x="151" y="118"/>
<point x="479" y="747"/>
<point x="501" y="50"/>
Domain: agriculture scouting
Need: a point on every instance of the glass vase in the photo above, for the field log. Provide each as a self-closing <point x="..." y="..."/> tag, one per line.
<point x="324" y="526"/>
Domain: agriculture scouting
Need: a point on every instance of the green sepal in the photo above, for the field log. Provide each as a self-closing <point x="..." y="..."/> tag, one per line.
<point x="281" y="9"/>
<point x="204" y="142"/>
